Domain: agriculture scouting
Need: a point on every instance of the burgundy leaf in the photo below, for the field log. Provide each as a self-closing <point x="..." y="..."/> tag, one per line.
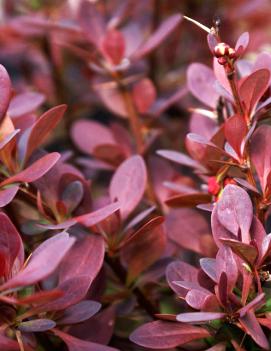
<point x="145" y="247"/>
<point x="226" y="263"/>
<point x="235" y="211"/>
<point x="155" y="39"/>
<point x="208" y="265"/>
<point x="128" y="184"/>
<point x="165" y="335"/>
<point x="5" y="91"/>
<point x="75" y="344"/>
<point x="35" y="171"/>
<point x="247" y="252"/>
<point x="43" y="261"/>
<point x="11" y="245"/>
<point x="8" y="344"/>
<point x="36" y="325"/>
<point x="189" y="200"/>
<point x="201" y="83"/>
<point x="79" y="312"/>
<point x="253" y="88"/>
<point x="235" y="131"/>
<point x="255" y="304"/>
<point x="38" y="133"/>
<point x="252" y="327"/>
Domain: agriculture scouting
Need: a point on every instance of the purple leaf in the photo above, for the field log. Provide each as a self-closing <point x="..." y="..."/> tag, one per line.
<point x="181" y="159"/>
<point x="156" y="38"/>
<point x="165" y="335"/>
<point x="43" y="261"/>
<point x="79" y="312"/>
<point x="128" y="184"/>
<point x="36" y="325"/>
<point x="201" y="83"/>
<point x="199" y="317"/>
<point x="242" y="42"/>
<point x="235" y="211"/>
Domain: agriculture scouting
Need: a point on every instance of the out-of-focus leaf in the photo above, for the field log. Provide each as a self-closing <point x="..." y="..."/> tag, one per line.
<point x="181" y="158"/>
<point x="189" y="200"/>
<point x="7" y="195"/>
<point x="144" y="95"/>
<point x="156" y="38"/>
<point x="25" y="103"/>
<point x="201" y="83"/>
<point x="113" y="46"/>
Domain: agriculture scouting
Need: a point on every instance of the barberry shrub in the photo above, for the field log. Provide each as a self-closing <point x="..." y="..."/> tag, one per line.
<point x="135" y="184"/>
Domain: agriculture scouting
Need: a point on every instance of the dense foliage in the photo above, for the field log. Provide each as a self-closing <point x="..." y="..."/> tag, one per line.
<point x="135" y="165"/>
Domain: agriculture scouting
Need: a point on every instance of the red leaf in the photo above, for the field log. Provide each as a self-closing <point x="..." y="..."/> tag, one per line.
<point x="144" y="95"/>
<point x="190" y="200"/>
<point x="87" y="135"/>
<point x="8" y="344"/>
<point x="5" y="91"/>
<point x="145" y="247"/>
<point x="84" y="259"/>
<point x="252" y="327"/>
<point x="43" y="261"/>
<point x="235" y="131"/>
<point x="247" y="252"/>
<point x="226" y="263"/>
<point x="253" y="87"/>
<point x="79" y="312"/>
<point x="235" y="211"/>
<point x="75" y="344"/>
<point x="34" y="171"/>
<point x="38" y="133"/>
<point x="201" y="83"/>
<point x="11" y="245"/>
<point x="113" y="46"/>
<point x="166" y="335"/>
<point x="128" y="184"/>
<point x="156" y="38"/>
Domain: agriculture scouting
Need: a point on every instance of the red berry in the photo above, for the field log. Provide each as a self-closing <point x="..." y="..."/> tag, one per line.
<point x="213" y="186"/>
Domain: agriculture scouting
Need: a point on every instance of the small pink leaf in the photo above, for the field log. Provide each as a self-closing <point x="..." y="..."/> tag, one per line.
<point x="181" y="158"/>
<point x="199" y="317"/>
<point x="166" y="335"/>
<point x="34" y="171"/>
<point x="128" y="184"/>
<point x="7" y="195"/>
<point x="242" y="42"/>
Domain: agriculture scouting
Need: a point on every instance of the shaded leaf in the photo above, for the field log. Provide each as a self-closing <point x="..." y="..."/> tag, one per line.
<point x="5" y="91"/>
<point x="36" y="325"/>
<point x="79" y="312"/>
